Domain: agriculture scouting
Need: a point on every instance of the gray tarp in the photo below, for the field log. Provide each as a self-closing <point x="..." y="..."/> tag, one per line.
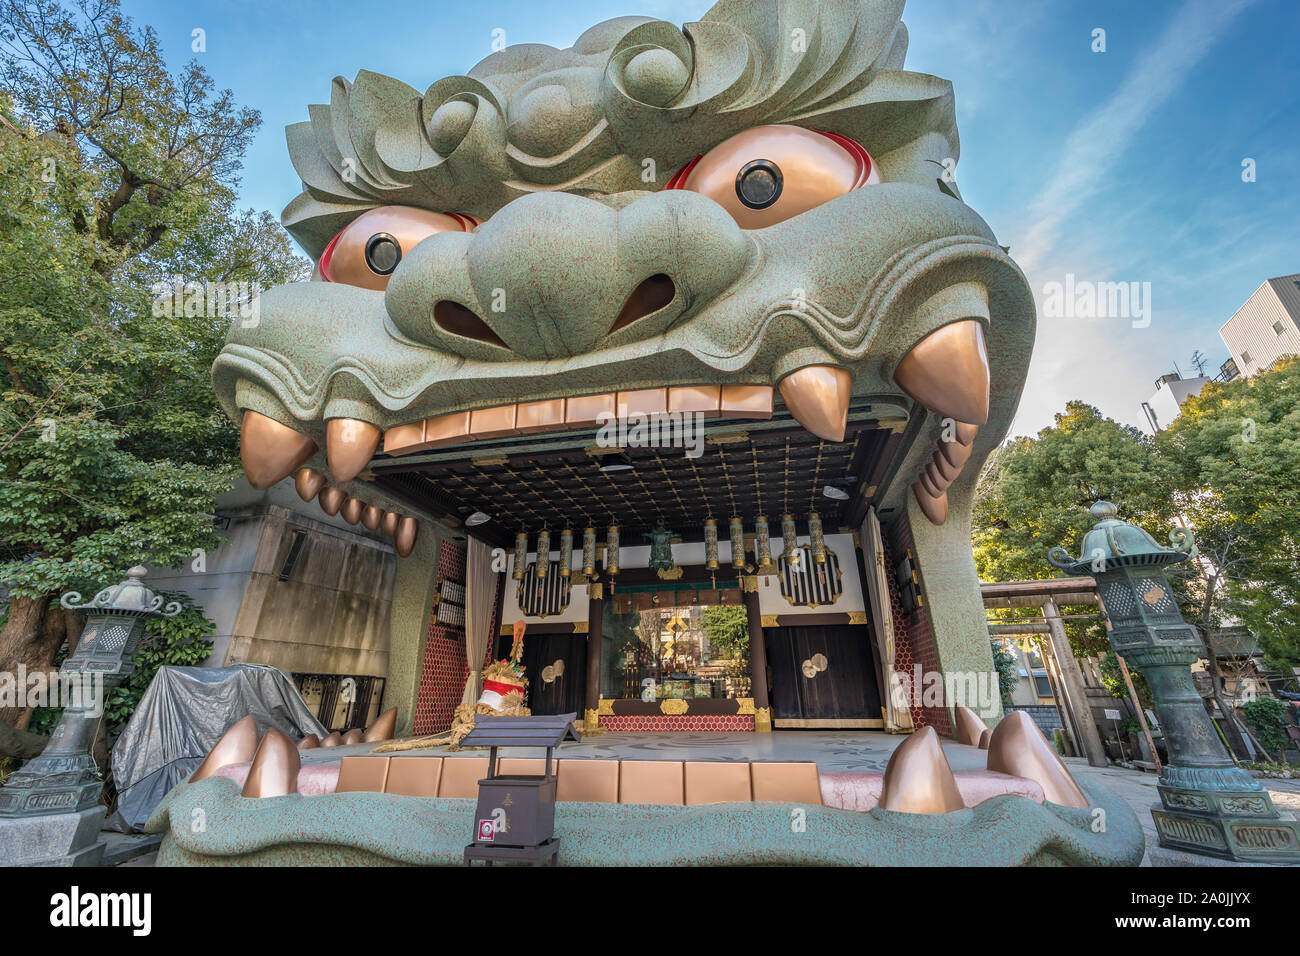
<point x="182" y="714"/>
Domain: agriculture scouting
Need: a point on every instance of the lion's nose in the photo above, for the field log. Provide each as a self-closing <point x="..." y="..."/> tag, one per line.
<point x="553" y="275"/>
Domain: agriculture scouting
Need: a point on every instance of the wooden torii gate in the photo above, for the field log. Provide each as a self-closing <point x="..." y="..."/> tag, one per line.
<point x="1048" y="595"/>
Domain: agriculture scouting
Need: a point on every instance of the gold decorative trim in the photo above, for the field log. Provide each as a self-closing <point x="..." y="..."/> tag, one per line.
<point x="857" y="539"/>
<point x="579" y="627"/>
<point x="605" y="707"/>
<point x="669" y="574"/>
<point x="489" y="461"/>
<point x="763" y="720"/>
<point x="768" y="620"/>
<point x="746" y="706"/>
<point x="727" y="438"/>
<point x="674" y="707"/>
<point x="857" y="617"/>
<point x="895" y="425"/>
<point x="596" y="590"/>
<point x="749" y="583"/>
<point x="507" y="629"/>
<point x="590" y="720"/>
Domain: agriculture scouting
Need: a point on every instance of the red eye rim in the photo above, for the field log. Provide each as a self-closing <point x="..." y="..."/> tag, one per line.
<point x="329" y="254"/>
<point x="855" y="149"/>
<point x="679" y="177"/>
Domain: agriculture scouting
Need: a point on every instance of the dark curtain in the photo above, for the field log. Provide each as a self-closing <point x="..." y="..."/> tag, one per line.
<point x="846" y="688"/>
<point x="565" y="694"/>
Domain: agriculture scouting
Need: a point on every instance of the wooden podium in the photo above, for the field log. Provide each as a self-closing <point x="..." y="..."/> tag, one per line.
<point x="515" y="817"/>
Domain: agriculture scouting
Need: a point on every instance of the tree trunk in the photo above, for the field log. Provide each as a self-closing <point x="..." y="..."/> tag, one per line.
<point x="73" y="624"/>
<point x="20" y="645"/>
<point x="19" y="743"/>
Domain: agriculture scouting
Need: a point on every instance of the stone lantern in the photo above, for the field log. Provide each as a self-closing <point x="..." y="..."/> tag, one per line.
<point x="1208" y="804"/>
<point x="49" y="810"/>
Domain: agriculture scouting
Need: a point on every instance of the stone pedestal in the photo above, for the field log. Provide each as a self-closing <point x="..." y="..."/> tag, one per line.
<point x="1207" y="803"/>
<point x="56" y="839"/>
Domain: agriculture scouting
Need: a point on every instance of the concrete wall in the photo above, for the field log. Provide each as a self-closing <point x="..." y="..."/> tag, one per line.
<point x="330" y="616"/>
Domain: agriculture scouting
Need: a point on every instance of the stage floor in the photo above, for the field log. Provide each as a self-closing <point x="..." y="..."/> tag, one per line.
<point x="830" y="749"/>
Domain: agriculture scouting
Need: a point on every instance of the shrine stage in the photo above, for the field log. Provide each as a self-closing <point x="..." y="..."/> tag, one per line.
<point x="831" y="750"/>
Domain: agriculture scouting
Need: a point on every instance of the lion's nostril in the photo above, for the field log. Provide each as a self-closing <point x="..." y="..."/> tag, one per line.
<point x="646" y="299"/>
<point x="455" y="318"/>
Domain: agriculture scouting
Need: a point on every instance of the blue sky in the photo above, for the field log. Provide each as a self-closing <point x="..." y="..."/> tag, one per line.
<point x="1117" y="166"/>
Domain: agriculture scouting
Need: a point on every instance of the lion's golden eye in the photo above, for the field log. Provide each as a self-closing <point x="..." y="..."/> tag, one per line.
<point x="767" y="174"/>
<point x="368" y="249"/>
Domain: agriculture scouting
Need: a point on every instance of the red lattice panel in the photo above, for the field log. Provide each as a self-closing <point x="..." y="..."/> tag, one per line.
<point x="679" y="723"/>
<point x="444" y="670"/>
<point x="913" y="637"/>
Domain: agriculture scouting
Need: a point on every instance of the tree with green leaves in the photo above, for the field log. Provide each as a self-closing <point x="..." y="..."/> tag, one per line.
<point x="1234" y="458"/>
<point x="1008" y="668"/>
<point x="1227" y="468"/>
<point x="1035" y="493"/>
<point x="116" y="176"/>
<point x="727" y="628"/>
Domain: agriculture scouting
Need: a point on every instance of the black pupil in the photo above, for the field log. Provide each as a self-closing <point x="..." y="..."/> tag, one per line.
<point x="383" y="253"/>
<point x="759" y="184"/>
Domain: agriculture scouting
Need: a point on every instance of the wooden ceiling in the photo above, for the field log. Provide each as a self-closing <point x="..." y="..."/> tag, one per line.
<point x="744" y="470"/>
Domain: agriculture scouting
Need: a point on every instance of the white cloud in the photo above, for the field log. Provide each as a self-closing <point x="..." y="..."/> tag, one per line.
<point x="1100" y="140"/>
<point x="1107" y="362"/>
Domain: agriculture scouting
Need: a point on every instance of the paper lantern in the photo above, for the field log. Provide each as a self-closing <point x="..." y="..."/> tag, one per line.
<point x="521" y="555"/>
<point x="762" y="544"/>
<point x="737" y="542"/>
<point x="611" y="550"/>
<point x="815" y="537"/>
<point x="543" y="553"/>
<point x="566" y="551"/>
<point x="789" y="540"/>
<point x="711" y="544"/>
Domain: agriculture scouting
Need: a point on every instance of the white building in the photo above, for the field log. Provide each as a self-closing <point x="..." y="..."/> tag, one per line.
<point x="1166" y="404"/>
<point x="1266" y="327"/>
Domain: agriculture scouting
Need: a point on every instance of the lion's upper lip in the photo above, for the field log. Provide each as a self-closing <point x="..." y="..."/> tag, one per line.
<point x="344" y="365"/>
